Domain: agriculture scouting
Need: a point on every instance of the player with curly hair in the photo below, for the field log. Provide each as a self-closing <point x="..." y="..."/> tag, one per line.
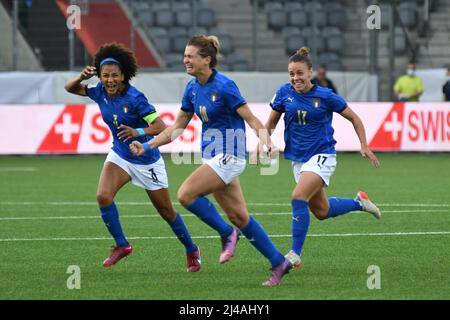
<point x="130" y="117"/>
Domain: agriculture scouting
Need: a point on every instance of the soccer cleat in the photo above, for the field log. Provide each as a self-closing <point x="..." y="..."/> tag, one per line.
<point x="194" y="260"/>
<point x="294" y="259"/>
<point x="367" y="205"/>
<point x="277" y="273"/>
<point x="228" y="246"/>
<point x="117" y="254"/>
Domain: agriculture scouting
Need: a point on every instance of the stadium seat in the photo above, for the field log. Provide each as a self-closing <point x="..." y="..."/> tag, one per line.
<point x="336" y="15"/>
<point x="225" y="38"/>
<point x="161" y="38"/>
<point x="290" y="31"/>
<point x="334" y="39"/>
<point x="293" y="6"/>
<point x="330" y="60"/>
<point x="183" y="14"/>
<point x="408" y="14"/>
<point x="276" y="16"/>
<point x="179" y="38"/>
<point x="206" y="17"/>
<point x="400" y="41"/>
<point x="293" y="43"/>
<point x="321" y="18"/>
<point x="138" y="6"/>
<point x="273" y="5"/>
<point x="173" y="58"/>
<point x="297" y="17"/>
<point x="146" y="17"/>
<point x="238" y="62"/>
<point x="198" y="30"/>
<point x="164" y="16"/>
<point x="385" y="10"/>
<point x="318" y="40"/>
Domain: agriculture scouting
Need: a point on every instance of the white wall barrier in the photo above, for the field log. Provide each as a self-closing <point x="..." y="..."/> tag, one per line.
<point x="79" y="129"/>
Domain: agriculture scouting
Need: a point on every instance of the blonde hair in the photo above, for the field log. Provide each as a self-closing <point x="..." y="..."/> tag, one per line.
<point x="302" y="55"/>
<point x="208" y="46"/>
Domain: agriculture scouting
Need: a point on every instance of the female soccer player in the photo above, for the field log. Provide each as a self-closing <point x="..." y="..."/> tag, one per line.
<point x="308" y="136"/>
<point x="129" y="116"/>
<point x="216" y="100"/>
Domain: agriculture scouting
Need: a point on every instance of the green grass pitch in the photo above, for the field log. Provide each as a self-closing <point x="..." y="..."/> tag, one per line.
<point x="49" y="220"/>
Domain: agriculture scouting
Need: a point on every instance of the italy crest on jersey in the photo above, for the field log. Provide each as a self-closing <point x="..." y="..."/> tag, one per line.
<point x="317" y="102"/>
<point x="125" y="109"/>
<point x="213" y="96"/>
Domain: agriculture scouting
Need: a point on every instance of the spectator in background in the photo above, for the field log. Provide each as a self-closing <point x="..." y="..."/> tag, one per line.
<point x="446" y="87"/>
<point x="409" y="87"/>
<point x="321" y="79"/>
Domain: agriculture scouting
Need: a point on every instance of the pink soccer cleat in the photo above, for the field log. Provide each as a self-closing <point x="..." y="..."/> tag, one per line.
<point x="117" y="254"/>
<point x="228" y="246"/>
<point x="194" y="260"/>
<point x="277" y="273"/>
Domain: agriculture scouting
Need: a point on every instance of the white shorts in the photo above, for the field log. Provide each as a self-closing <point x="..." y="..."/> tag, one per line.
<point x="322" y="164"/>
<point x="148" y="176"/>
<point x="227" y="167"/>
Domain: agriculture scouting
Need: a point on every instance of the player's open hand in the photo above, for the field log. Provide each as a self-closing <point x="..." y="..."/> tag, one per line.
<point x="126" y="133"/>
<point x="367" y="153"/>
<point x="136" y="148"/>
<point x="87" y="73"/>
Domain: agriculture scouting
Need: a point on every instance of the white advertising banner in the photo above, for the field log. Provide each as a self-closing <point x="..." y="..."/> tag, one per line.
<point x="79" y="128"/>
<point x="27" y="87"/>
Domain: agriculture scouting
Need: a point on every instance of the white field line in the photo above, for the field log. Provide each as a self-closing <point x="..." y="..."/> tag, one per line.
<point x="145" y="203"/>
<point x="184" y="215"/>
<point x="371" y="234"/>
<point x="17" y="169"/>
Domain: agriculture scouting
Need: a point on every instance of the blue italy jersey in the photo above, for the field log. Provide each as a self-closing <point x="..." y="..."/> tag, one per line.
<point x="215" y="103"/>
<point x="307" y="120"/>
<point x="129" y="109"/>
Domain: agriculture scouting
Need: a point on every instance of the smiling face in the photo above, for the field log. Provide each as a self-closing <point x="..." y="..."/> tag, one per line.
<point x="195" y="64"/>
<point x="112" y="78"/>
<point x="300" y="76"/>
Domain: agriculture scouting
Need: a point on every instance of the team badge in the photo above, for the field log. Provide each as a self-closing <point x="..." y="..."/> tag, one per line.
<point x="316" y="103"/>
<point x="125" y="109"/>
<point x="116" y="123"/>
<point x="213" y="97"/>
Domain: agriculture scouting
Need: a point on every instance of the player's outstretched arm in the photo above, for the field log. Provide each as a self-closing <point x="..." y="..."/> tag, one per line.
<point x="259" y="129"/>
<point x="166" y="136"/>
<point x="270" y="125"/>
<point x="74" y="85"/>
<point x="351" y="116"/>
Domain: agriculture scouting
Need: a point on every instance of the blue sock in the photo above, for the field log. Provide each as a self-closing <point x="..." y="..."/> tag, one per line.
<point x="180" y="230"/>
<point x="339" y="206"/>
<point x="261" y="241"/>
<point x="110" y="216"/>
<point x="206" y="211"/>
<point x="300" y="224"/>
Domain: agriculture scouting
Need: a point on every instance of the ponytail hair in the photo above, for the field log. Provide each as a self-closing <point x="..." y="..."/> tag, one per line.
<point x="302" y="55"/>
<point x="207" y="46"/>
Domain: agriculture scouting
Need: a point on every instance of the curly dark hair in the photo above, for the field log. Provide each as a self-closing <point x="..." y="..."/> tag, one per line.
<point x="126" y="58"/>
